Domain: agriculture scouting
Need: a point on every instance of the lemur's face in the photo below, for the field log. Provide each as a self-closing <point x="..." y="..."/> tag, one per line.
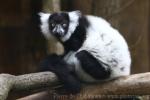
<point x="58" y="24"/>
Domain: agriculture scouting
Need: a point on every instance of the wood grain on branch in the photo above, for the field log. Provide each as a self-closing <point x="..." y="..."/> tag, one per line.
<point x="35" y="81"/>
<point x="6" y="83"/>
<point x="26" y="82"/>
<point x="137" y="84"/>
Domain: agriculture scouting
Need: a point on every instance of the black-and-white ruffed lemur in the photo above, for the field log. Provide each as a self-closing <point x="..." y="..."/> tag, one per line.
<point x="94" y="51"/>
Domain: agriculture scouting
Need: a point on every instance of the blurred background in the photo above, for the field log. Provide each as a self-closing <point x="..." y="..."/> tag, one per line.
<point x="22" y="46"/>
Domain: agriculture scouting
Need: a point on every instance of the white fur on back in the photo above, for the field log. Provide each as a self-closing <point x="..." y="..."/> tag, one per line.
<point x="106" y="44"/>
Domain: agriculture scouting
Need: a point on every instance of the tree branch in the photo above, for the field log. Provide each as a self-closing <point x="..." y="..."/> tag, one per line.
<point x="6" y="83"/>
<point x="26" y="82"/>
<point x="35" y="81"/>
<point x="137" y="84"/>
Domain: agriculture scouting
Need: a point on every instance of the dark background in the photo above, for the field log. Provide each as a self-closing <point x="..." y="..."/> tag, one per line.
<point x="22" y="46"/>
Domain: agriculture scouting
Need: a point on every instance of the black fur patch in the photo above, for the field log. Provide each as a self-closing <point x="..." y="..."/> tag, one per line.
<point x="77" y="38"/>
<point x="56" y="64"/>
<point x="58" y="18"/>
<point x="91" y="66"/>
<point x="122" y="68"/>
<point x="51" y="60"/>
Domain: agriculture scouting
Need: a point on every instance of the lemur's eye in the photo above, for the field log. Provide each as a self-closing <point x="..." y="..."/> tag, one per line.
<point x="64" y="25"/>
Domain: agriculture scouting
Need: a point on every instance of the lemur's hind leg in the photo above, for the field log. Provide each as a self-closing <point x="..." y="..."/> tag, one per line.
<point x="91" y="66"/>
<point x="56" y="64"/>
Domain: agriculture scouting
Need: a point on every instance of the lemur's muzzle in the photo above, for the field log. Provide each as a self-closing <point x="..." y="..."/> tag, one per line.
<point x="58" y="30"/>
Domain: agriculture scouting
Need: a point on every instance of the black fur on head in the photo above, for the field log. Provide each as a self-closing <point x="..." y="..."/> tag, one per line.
<point x="58" y="24"/>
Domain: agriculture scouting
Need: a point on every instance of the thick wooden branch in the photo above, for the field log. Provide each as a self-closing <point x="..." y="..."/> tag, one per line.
<point x="35" y="81"/>
<point x="137" y="84"/>
<point x="6" y="83"/>
<point x="26" y="82"/>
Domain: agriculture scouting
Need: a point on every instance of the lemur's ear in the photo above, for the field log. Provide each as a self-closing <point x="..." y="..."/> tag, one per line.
<point x="44" y="24"/>
<point x="75" y="15"/>
<point x="77" y="12"/>
<point x="44" y="16"/>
